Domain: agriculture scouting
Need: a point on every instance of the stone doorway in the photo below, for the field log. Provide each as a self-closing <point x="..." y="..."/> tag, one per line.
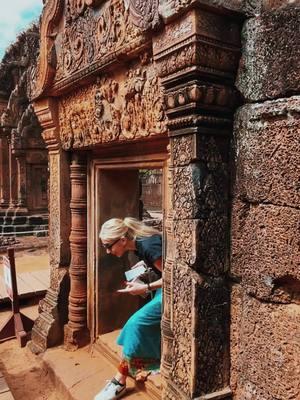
<point x="118" y="189"/>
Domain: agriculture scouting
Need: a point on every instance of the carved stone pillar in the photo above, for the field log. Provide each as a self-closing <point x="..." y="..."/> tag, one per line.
<point x="22" y="190"/>
<point x="48" y="327"/>
<point x="167" y="332"/>
<point x="196" y="56"/>
<point x="76" y="332"/>
<point x="4" y="170"/>
<point x="13" y="178"/>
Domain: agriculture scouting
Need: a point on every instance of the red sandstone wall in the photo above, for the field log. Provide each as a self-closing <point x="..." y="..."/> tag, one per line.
<point x="265" y="329"/>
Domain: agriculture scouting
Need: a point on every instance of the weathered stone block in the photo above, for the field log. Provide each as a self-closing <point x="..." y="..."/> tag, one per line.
<point x="270" y="65"/>
<point x="266" y="354"/>
<point x="265" y="250"/>
<point x="268" y="5"/>
<point x="236" y="315"/>
<point x="267" y="152"/>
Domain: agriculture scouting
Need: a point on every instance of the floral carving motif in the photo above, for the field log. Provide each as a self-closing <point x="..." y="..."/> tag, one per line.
<point x="74" y="8"/>
<point x="110" y="110"/>
<point x="106" y="31"/>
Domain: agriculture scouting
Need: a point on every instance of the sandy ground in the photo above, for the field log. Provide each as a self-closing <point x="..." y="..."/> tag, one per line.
<point x="23" y="371"/>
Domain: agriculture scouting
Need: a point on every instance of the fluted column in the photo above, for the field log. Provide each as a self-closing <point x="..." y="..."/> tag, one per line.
<point x="76" y="332"/>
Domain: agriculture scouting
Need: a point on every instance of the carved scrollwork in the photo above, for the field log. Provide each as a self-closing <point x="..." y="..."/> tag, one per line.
<point x="75" y="8"/>
<point x="91" y="35"/>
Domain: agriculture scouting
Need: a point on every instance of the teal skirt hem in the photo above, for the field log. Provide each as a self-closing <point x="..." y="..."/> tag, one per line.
<point x="141" y="336"/>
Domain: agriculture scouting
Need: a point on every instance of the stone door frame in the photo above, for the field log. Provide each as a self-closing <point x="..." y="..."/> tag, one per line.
<point x="157" y="160"/>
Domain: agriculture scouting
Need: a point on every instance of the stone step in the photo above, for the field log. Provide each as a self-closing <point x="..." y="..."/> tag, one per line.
<point x="23" y="220"/>
<point x="80" y="375"/>
<point x="107" y="346"/>
<point x="30" y="232"/>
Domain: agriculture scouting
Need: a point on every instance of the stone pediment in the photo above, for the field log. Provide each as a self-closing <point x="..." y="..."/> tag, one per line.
<point x="80" y="38"/>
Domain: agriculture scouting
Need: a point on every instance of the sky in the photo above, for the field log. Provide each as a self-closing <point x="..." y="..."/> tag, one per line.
<point x="16" y="16"/>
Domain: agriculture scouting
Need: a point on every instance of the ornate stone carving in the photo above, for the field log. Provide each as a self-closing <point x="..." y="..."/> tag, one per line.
<point x="182" y="328"/>
<point x="144" y="14"/>
<point x="169" y="8"/>
<point x="203" y="41"/>
<point x="108" y="33"/>
<point x="211" y="327"/>
<point x="47" y="330"/>
<point x="75" y="8"/>
<point x="113" y="110"/>
<point x="217" y="95"/>
<point x="207" y="58"/>
<point x="44" y="73"/>
<point x="204" y="48"/>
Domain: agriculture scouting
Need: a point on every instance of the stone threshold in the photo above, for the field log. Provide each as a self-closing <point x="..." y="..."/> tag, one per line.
<point x="106" y="346"/>
<point x="81" y="374"/>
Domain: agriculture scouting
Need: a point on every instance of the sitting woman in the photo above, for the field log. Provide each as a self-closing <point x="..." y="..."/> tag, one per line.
<point x="140" y="337"/>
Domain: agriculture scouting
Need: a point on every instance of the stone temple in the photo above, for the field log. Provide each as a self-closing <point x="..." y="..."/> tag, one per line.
<point x="23" y="154"/>
<point x="207" y="92"/>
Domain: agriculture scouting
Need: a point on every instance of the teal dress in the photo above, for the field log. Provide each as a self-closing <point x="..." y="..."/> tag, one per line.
<point x="141" y="335"/>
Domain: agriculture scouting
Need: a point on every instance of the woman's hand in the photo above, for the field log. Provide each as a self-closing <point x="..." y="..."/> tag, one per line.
<point x="134" y="288"/>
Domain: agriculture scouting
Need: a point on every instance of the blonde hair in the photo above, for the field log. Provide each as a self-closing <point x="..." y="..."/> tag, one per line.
<point x="128" y="227"/>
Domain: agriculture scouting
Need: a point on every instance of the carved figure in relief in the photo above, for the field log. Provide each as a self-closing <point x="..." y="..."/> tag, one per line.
<point x="144" y="14"/>
<point x="107" y="114"/>
<point x="112" y="114"/>
<point x="140" y="337"/>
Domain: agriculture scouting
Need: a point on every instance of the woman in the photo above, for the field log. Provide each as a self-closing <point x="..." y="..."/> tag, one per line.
<point x="140" y="336"/>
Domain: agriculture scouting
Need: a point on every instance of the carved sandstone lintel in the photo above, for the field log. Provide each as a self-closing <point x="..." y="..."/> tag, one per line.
<point x="118" y="108"/>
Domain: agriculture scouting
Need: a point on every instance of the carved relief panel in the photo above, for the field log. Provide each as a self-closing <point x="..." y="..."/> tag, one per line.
<point x="123" y="107"/>
<point x="94" y="32"/>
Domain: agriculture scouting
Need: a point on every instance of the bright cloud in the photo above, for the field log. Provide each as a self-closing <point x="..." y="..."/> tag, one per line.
<point x="17" y="17"/>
